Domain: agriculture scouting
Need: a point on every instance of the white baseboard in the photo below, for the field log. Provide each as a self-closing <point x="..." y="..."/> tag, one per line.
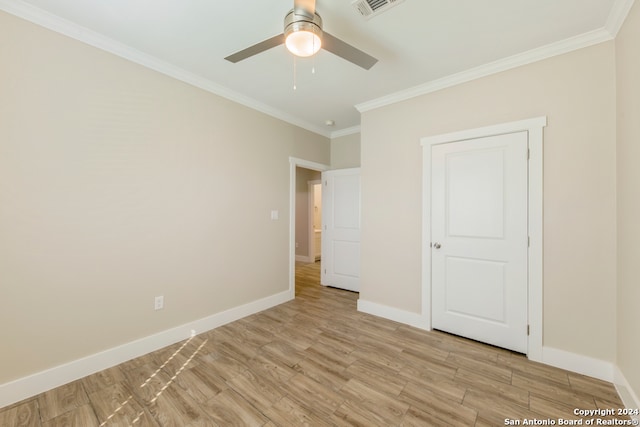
<point x="303" y="258"/>
<point x="578" y="363"/>
<point x="550" y="356"/>
<point x="573" y="362"/>
<point x="392" y="313"/>
<point x="626" y="393"/>
<point x="39" y="382"/>
<point x="34" y="384"/>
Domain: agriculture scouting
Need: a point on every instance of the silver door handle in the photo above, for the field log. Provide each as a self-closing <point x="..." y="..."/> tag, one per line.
<point x="437" y="245"/>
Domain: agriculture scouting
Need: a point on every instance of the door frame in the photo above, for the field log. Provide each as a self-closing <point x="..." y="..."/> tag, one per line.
<point x="534" y="127"/>
<point x="294" y="163"/>
<point x="311" y="210"/>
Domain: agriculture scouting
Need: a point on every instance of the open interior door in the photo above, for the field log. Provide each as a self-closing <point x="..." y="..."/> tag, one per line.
<point x="341" y="229"/>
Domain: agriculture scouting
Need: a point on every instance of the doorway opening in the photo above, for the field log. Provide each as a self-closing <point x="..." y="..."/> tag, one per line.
<point x="308" y="212"/>
<point x="314" y="223"/>
<point x="302" y="175"/>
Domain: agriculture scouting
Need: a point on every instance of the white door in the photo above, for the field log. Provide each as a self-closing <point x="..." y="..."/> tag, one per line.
<point x="479" y="239"/>
<point x="341" y="229"/>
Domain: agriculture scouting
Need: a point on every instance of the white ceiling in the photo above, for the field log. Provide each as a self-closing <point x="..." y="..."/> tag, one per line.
<point x="418" y="43"/>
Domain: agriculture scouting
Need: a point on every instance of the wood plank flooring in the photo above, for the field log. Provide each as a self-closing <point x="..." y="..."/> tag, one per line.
<point x="316" y="361"/>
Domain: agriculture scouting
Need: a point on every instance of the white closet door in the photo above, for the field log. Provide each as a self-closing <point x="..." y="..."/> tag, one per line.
<point x="479" y="239"/>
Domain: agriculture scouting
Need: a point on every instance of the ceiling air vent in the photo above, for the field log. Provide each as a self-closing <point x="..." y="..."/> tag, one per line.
<point x="370" y="8"/>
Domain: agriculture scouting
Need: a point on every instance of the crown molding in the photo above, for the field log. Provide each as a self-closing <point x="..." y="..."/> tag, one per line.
<point x="617" y="16"/>
<point x="52" y="22"/>
<point x="520" y="59"/>
<point x="344" y="132"/>
<point x="62" y="26"/>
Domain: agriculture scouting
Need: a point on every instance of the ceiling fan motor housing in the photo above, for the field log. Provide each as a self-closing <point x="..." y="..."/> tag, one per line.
<point x="299" y="20"/>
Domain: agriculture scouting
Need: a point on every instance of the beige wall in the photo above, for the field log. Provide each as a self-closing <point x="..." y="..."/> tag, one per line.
<point x="576" y="91"/>
<point x="628" y="81"/>
<point x="345" y="151"/>
<point x="118" y="184"/>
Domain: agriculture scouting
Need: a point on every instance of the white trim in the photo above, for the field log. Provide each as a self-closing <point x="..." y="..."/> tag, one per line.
<point x="536" y="235"/>
<point x="626" y="393"/>
<point x="534" y="128"/>
<point x="55" y="23"/>
<point x="617" y="16"/>
<point x="578" y="363"/>
<point x="45" y="19"/>
<point x="293" y="164"/>
<point x="392" y="313"/>
<point x="520" y="59"/>
<point x="527" y="124"/>
<point x="39" y="382"/>
<point x="344" y="132"/>
<point x="572" y="362"/>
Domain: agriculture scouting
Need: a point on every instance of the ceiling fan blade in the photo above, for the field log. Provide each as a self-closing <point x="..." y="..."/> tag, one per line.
<point x="308" y="6"/>
<point x="346" y="51"/>
<point x="256" y="48"/>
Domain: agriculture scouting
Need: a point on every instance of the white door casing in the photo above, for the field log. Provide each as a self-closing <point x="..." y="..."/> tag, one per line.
<point x="534" y="128"/>
<point x="341" y="229"/>
<point x="479" y="234"/>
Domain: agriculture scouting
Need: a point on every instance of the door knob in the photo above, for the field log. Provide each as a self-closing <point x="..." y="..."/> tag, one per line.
<point x="437" y="245"/>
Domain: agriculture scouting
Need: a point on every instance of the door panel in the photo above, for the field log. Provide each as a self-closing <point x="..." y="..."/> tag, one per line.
<point x="479" y="232"/>
<point x="346" y="260"/>
<point x="341" y="229"/>
<point x="476" y="206"/>
<point x="488" y="278"/>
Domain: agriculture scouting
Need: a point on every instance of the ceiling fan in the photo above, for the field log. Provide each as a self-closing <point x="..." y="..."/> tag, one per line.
<point x="303" y="36"/>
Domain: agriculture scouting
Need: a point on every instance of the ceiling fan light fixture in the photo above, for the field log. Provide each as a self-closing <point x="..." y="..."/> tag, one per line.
<point x="303" y="43"/>
<point x="303" y="35"/>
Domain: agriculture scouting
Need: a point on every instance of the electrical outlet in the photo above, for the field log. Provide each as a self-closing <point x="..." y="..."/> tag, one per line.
<point x="159" y="302"/>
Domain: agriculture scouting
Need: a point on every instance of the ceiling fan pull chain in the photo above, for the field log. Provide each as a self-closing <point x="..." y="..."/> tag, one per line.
<point x="294" y="72"/>
<point x="313" y="57"/>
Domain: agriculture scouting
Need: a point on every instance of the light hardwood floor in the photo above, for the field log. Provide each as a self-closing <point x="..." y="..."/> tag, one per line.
<point x="317" y="361"/>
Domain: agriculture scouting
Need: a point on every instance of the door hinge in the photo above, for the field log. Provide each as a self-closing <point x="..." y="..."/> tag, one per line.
<point x="528" y="330"/>
<point x="528" y="154"/>
<point x="528" y="241"/>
